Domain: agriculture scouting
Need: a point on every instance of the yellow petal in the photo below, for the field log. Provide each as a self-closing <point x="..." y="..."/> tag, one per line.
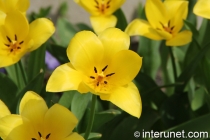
<point x="12" y="28"/>
<point x="8" y="5"/>
<point x="33" y="107"/>
<point x="180" y="39"/>
<point x="74" y="136"/>
<point x="142" y="27"/>
<point x="155" y="13"/>
<point x="178" y="11"/>
<point x="85" y="51"/>
<point x="126" y="65"/>
<point x="100" y="23"/>
<point x="202" y="8"/>
<point x="23" y="5"/>
<point x="59" y="122"/>
<point x="100" y="7"/>
<point x="2" y="17"/>
<point x="40" y="31"/>
<point x="113" y="40"/>
<point x="4" y="110"/>
<point x="64" y="78"/>
<point x="127" y="98"/>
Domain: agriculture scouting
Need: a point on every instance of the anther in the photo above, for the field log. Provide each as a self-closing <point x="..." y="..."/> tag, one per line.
<point x="33" y="138"/>
<point x="21" y="42"/>
<point x="15" y="37"/>
<point x="104" y="68"/>
<point x="95" y="69"/>
<point x="9" y="39"/>
<point x="92" y="77"/>
<point x="109" y="74"/>
<point x="105" y="82"/>
<point x="169" y="23"/>
<point x="40" y="135"/>
<point x="7" y="45"/>
<point x="97" y="84"/>
<point x="108" y="2"/>
<point x="48" y="136"/>
<point x="11" y="50"/>
<point x="107" y="6"/>
<point x="172" y="28"/>
<point x="18" y="47"/>
<point x="96" y="2"/>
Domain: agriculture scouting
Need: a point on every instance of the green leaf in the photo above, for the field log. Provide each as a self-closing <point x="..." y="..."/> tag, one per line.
<point x="36" y="62"/>
<point x="103" y="117"/>
<point x="145" y="83"/>
<point x="200" y="124"/>
<point x="121" y="20"/>
<point x="8" y="92"/>
<point x="79" y="104"/>
<point x="149" y="50"/>
<point x="82" y="26"/>
<point x="93" y="136"/>
<point x="189" y="70"/>
<point x="65" y="31"/>
<point x="58" y="52"/>
<point x="66" y="98"/>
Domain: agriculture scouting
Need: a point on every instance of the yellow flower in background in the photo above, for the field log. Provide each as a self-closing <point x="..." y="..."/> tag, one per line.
<point x="7" y="6"/>
<point x="102" y="65"/>
<point x="4" y="110"/>
<point x="101" y="12"/>
<point x="202" y="8"/>
<point x="165" y="20"/>
<point x="37" y="122"/>
<point x="18" y="37"/>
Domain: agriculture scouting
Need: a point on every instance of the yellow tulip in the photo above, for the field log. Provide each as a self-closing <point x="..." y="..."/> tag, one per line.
<point x="102" y="65"/>
<point x="18" y="37"/>
<point x="165" y="20"/>
<point x="101" y="12"/>
<point x="202" y="8"/>
<point x="10" y="5"/>
<point x="37" y="122"/>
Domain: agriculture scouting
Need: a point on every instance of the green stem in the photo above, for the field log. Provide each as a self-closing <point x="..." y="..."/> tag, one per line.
<point x="23" y="74"/>
<point x="92" y="115"/>
<point x="173" y="63"/>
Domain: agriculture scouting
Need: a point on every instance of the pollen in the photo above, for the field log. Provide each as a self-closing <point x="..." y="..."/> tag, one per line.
<point x="13" y="45"/>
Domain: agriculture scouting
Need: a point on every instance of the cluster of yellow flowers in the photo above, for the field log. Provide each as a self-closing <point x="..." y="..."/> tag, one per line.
<point x="101" y="64"/>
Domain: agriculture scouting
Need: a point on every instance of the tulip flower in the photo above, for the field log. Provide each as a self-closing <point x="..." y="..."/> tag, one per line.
<point x="18" y="37"/>
<point x="37" y="122"/>
<point x="165" y="20"/>
<point x="202" y="8"/>
<point x="101" y="12"/>
<point x="10" y="5"/>
<point x="102" y="65"/>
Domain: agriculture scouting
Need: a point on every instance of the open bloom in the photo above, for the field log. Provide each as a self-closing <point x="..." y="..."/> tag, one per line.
<point x="10" y="5"/>
<point x="202" y="8"/>
<point x="165" y="20"/>
<point x="102" y="65"/>
<point x="37" y="122"/>
<point x="18" y="37"/>
<point x="101" y="12"/>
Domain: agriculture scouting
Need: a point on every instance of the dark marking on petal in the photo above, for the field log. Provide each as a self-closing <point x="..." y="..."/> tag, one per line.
<point x="105" y="82"/>
<point x="109" y="74"/>
<point x="104" y="68"/>
<point x="9" y="39"/>
<point x="21" y="42"/>
<point x="40" y="135"/>
<point x="7" y="45"/>
<point x="48" y="136"/>
<point x="95" y="69"/>
<point x="15" y="37"/>
<point x="92" y="77"/>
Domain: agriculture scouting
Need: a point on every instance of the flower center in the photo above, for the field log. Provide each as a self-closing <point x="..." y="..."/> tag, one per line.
<point x="167" y="28"/>
<point x="13" y="45"/>
<point x="41" y="138"/>
<point x="100" y="80"/>
<point x="103" y="6"/>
